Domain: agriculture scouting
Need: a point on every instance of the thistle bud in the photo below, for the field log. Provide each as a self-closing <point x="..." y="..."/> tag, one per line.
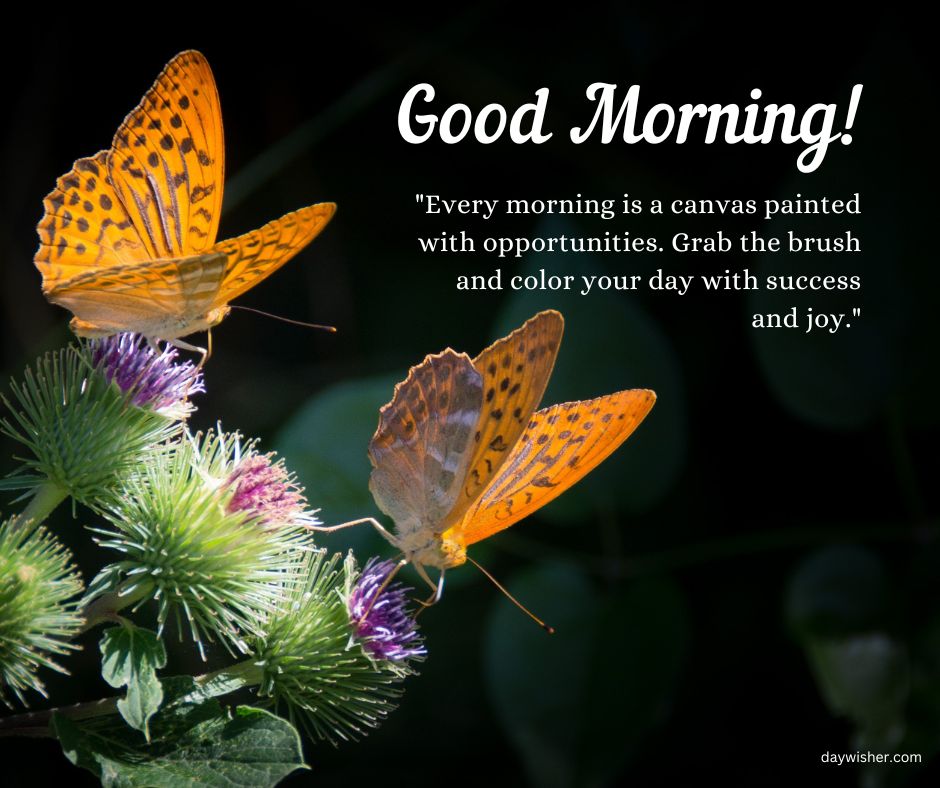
<point x="90" y="415"/>
<point x="208" y="566"/>
<point x="38" y="612"/>
<point x="314" y="661"/>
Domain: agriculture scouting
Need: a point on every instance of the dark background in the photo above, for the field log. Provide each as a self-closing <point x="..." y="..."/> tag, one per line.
<point x="751" y="581"/>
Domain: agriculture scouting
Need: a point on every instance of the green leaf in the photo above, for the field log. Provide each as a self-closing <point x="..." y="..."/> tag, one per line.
<point x="618" y="657"/>
<point x="838" y="591"/>
<point x="847" y="379"/>
<point x="198" y="744"/>
<point x="838" y="606"/>
<point x="131" y="657"/>
<point x="325" y="443"/>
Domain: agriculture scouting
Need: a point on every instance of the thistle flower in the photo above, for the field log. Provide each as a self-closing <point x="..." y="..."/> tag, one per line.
<point x="380" y="617"/>
<point x="91" y="415"/>
<point x="150" y="379"/>
<point x="259" y="485"/>
<point x="184" y="547"/>
<point x="313" y="663"/>
<point x="264" y="489"/>
<point x="38" y="618"/>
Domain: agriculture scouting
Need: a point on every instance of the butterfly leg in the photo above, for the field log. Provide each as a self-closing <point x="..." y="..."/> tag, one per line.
<point x="438" y="589"/>
<point x="179" y="343"/>
<point x="327" y="529"/>
<point x="385" y="583"/>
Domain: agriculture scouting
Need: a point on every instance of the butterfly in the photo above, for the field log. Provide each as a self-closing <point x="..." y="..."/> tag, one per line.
<point x="128" y="238"/>
<point x="461" y="452"/>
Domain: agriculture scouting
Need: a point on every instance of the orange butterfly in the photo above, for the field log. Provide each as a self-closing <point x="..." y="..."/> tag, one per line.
<point x="127" y="241"/>
<point x="461" y="452"/>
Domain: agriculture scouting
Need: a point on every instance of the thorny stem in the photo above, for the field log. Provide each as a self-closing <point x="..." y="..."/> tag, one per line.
<point x="218" y="682"/>
<point x="46" y="498"/>
<point x="107" y="606"/>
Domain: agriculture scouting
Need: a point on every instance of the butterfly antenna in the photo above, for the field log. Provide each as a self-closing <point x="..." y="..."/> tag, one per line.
<point x="511" y="598"/>
<point x="331" y="329"/>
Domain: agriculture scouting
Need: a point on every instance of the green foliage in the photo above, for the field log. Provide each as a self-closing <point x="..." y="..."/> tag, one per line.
<point x="82" y="432"/>
<point x="192" y="743"/>
<point x="837" y="591"/>
<point x="845" y="380"/>
<point x="610" y="659"/>
<point x="325" y="443"/>
<point x="866" y="679"/>
<point x="38" y="616"/>
<point x="839" y="607"/>
<point x="131" y="657"/>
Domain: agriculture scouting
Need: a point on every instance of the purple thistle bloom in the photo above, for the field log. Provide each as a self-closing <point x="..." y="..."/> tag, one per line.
<point x="267" y="491"/>
<point x="154" y="380"/>
<point x="384" y="625"/>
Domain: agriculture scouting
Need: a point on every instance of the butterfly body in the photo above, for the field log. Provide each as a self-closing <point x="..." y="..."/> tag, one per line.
<point x="432" y="550"/>
<point x="167" y="329"/>
<point x="461" y="452"/>
<point x="128" y="237"/>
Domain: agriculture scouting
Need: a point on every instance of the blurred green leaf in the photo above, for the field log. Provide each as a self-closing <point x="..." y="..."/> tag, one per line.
<point x="610" y="660"/>
<point x="844" y="380"/>
<point x="610" y="344"/>
<point x="923" y="716"/>
<point x="865" y="678"/>
<point x="836" y="380"/>
<point x="537" y="681"/>
<point x="639" y="651"/>
<point x="839" y="590"/>
<point x="838" y="604"/>
<point x="326" y="443"/>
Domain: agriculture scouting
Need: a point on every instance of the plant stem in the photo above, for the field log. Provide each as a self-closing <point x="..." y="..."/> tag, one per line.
<point x="209" y="685"/>
<point x="36" y="723"/>
<point x="904" y="467"/>
<point x="107" y="606"/>
<point x="46" y="498"/>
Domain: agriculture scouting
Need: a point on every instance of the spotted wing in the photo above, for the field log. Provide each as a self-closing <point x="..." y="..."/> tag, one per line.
<point x="143" y="297"/>
<point x="424" y="441"/>
<point x="254" y="256"/>
<point x="167" y="160"/>
<point x="85" y="226"/>
<point x="515" y="372"/>
<point x="561" y="445"/>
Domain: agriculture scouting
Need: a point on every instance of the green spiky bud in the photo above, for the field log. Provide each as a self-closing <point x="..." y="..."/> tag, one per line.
<point x="38" y="612"/>
<point x="313" y="662"/>
<point x="214" y="568"/>
<point x="89" y="415"/>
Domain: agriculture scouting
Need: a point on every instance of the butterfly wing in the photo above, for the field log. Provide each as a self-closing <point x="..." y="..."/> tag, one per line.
<point x="167" y="160"/>
<point x="515" y="372"/>
<point x="423" y="443"/>
<point x="85" y="226"/>
<point x="560" y="446"/>
<point x="155" y="298"/>
<point x="254" y="256"/>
